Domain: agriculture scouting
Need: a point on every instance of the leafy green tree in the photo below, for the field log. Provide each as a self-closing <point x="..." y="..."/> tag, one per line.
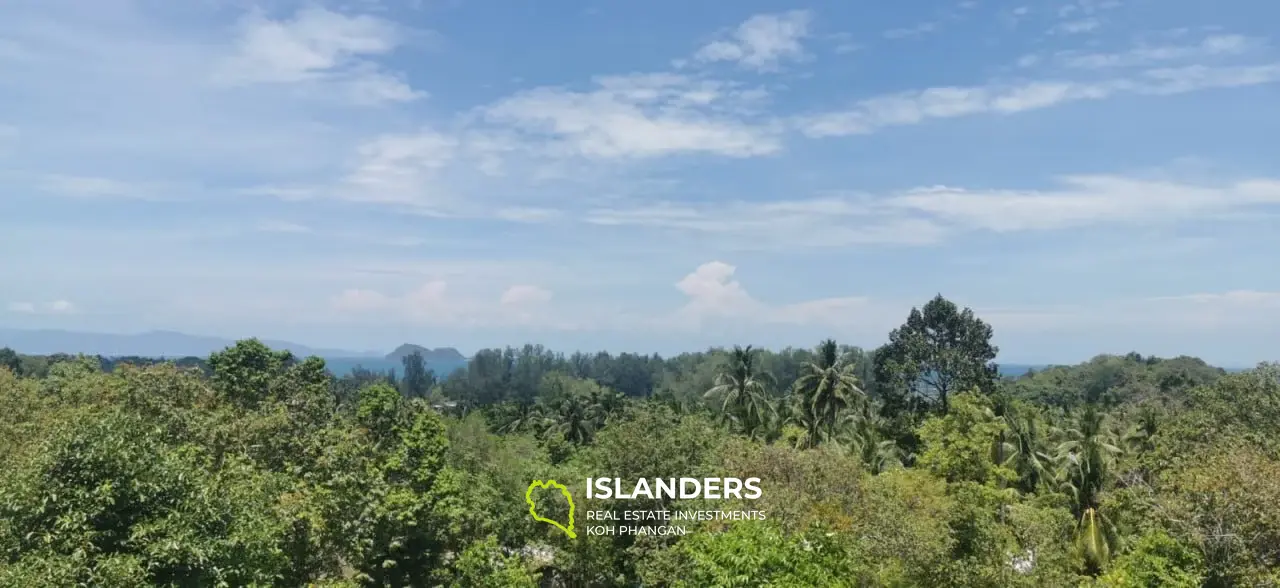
<point x="9" y="359"/>
<point x="758" y="554"/>
<point x="1155" y="561"/>
<point x="957" y="446"/>
<point x="246" y="371"/>
<point x="484" y="564"/>
<point x="939" y="351"/>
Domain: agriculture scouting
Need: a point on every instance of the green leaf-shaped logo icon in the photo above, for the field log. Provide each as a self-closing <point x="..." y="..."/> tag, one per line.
<point x="528" y="497"/>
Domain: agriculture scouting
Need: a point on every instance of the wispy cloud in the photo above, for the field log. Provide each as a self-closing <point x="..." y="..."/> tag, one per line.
<point x="1077" y="27"/>
<point x="434" y="303"/>
<point x="45" y="308"/>
<point x="103" y="188"/>
<point x="762" y="43"/>
<point x="1087" y="200"/>
<point x="920" y="29"/>
<point x="1208" y="312"/>
<point x="818" y="222"/>
<point x="929" y="215"/>
<point x="639" y="116"/>
<point x="276" y="226"/>
<point x="908" y="108"/>
<point x="1147" y="55"/>
<point x="318" y="45"/>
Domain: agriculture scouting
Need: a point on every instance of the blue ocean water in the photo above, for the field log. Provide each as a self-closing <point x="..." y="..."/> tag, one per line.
<point x="341" y="366"/>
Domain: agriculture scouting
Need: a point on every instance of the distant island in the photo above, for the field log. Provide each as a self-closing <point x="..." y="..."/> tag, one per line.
<point x="438" y="355"/>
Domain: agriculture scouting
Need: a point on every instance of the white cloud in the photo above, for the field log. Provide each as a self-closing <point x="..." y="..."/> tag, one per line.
<point x="96" y="187"/>
<point x="1076" y="27"/>
<point x="714" y="294"/>
<point x="762" y="42"/>
<point x="923" y="28"/>
<point x="639" y="116"/>
<point x="48" y="308"/>
<point x="434" y="303"/>
<point x="1087" y="200"/>
<point x="61" y="307"/>
<point x="1214" y="312"/>
<point x="832" y="221"/>
<point x="22" y="307"/>
<point x="1232" y="298"/>
<point x="523" y="295"/>
<point x="1145" y="55"/>
<point x="712" y="291"/>
<point x="319" y="45"/>
<point x="400" y="169"/>
<point x="359" y="300"/>
<point x="275" y="226"/>
<point x="928" y="215"/>
<point x="526" y="214"/>
<point x="909" y="108"/>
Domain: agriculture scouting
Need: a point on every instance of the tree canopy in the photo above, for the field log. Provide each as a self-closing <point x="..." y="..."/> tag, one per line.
<point x="914" y="465"/>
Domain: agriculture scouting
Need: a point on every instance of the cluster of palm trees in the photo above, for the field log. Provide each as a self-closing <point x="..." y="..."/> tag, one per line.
<point x="825" y="405"/>
<point x="570" y="408"/>
<point x="1050" y="452"/>
<point x="1075" y="455"/>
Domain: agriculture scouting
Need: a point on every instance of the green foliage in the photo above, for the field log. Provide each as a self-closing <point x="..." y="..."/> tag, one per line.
<point x="756" y="554"/>
<point x="959" y="446"/>
<point x="247" y="372"/>
<point x="940" y="350"/>
<point x="484" y="564"/>
<point x="1156" y="561"/>
<point x="257" y="468"/>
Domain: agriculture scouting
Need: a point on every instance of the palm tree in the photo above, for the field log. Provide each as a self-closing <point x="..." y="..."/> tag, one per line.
<point x="860" y="432"/>
<point x="1024" y="451"/>
<point x="1141" y="437"/>
<point x="573" y="417"/>
<point x="743" y="392"/>
<point x="1087" y="456"/>
<point x="827" y="386"/>
<point x="522" y="417"/>
<point x="603" y="402"/>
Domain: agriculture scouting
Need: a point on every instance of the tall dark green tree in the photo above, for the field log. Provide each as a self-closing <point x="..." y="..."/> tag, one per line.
<point x="418" y="380"/>
<point x="9" y="359"/>
<point x="941" y="350"/>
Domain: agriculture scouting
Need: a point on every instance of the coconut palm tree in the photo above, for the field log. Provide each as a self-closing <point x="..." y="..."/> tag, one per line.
<point x="860" y="432"/>
<point x="827" y="385"/>
<point x="1141" y="437"/>
<point x="742" y="391"/>
<point x="574" y="416"/>
<point x="1087" y="457"/>
<point x="1025" y="451"/>
<point x="522" y="417"/>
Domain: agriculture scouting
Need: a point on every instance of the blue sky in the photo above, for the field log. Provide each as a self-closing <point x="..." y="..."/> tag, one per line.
<point x="1090" y="175"/>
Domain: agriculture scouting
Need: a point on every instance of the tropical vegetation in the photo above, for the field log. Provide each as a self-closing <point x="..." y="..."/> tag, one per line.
<point x="912" y="464"/>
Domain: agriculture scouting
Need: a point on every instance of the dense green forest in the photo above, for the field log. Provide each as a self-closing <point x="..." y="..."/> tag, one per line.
<point x="913" y="464"/>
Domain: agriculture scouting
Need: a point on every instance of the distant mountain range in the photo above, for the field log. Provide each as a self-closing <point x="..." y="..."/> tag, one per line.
<point x="149" y="344"/>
